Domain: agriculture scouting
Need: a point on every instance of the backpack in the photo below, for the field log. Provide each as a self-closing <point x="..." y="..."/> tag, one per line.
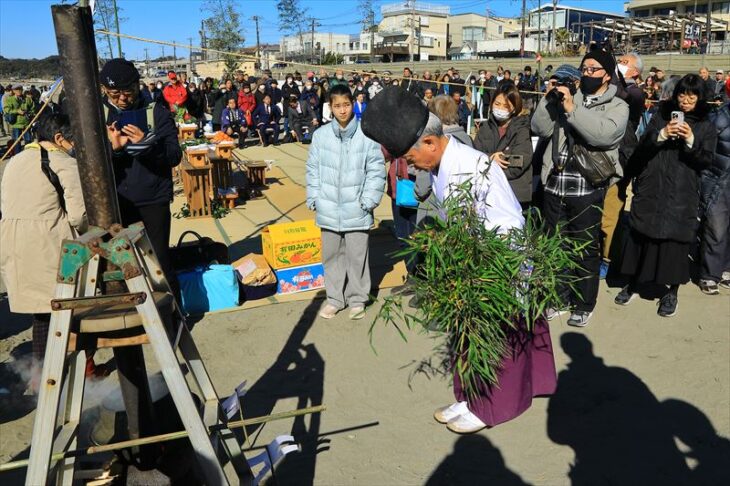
<point x="52" y="178"/>
<point x="11" y="118"/>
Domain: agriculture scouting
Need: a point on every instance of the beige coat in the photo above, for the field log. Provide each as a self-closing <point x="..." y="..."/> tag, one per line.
<point x="33" y="226"/>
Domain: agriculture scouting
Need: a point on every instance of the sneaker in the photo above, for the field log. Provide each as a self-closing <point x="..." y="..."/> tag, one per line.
<point x="603" y="271"/>
<point x="466" y="423"/>
<point x="709" y="287"/>
<point x="405" y="290"/>
<point x="450" y="412"/>
<point x="357" y="312"/>
<point x="328" y="311"/>
<point x="552" y="313"/>
<point x="625" y="296"/>
<point x="725" y="280"/>
<point x="579" y="318"/>
<point x="415" y="302"/>
<point x="668" y="305"/>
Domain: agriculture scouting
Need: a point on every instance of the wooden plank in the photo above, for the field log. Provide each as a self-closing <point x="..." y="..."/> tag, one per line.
<point x="177" y="385"/>
<point x="44" y="425"/>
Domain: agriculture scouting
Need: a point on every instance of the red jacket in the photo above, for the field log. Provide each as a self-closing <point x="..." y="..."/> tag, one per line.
<point x="402" y="171"/>
<point x="246" y="102"/>
<point x="175" y="94"/>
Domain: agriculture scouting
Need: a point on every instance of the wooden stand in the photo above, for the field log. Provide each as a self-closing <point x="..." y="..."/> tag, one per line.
<point x="197" y="157"/>
<point x="224" y="150"/>
<point x="197" y="187"/>
<point x="256" y="172"/>
<point x="186" y="133"/>
<point x="78" y="308"/>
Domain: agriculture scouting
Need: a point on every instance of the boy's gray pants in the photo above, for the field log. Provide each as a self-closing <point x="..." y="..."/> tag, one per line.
<point x="345" y="257"/>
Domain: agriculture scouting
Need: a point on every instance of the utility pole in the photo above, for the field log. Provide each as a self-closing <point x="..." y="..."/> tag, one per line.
<point x="412" y="4"/>
<point x="522" y="35"/>
<point x="204" y="53"/>
<point x="146" y="62"/>
<point x="314" y="24"/>
<point x="116" y="25"/>
<point x="256" y="19"/>
<point x="553" y="44"/>
<point x="190" y="56"/>
<point x="174" y="56"/>
<point x="539" y="26"/>
<point x="709" y="26"/>
<point x="372" y="35"/>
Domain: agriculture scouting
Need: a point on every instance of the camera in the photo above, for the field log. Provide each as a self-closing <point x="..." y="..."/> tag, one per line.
<point x="556" y="97"/>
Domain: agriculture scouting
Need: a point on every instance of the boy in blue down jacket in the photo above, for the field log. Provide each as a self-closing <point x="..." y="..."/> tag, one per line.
<point x="345" y="183"/>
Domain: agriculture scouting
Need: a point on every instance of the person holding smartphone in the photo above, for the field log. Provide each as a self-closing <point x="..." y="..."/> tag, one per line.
<point x="505" y="137"/>
<point x="143" y="156"/>
<point x="678" y="144"/>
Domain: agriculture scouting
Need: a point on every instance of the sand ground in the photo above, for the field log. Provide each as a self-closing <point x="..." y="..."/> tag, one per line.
<point x="641" y="399"/>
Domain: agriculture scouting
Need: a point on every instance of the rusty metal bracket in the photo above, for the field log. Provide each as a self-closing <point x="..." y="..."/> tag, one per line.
<point x="134" y="298"/>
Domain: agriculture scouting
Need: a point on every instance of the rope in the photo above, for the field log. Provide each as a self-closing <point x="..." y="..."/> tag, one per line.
<point x="43" y="107"/>
<point x="296" y="63"/>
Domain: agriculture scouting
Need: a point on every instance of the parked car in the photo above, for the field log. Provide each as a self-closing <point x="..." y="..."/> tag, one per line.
<point x="279" y="65"/>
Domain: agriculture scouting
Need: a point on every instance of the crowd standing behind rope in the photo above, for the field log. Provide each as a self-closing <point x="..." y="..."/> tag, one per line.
<point x="663" y="210"/>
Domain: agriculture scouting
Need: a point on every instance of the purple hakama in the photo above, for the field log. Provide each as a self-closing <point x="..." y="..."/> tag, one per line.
<point x="528" y="371"/>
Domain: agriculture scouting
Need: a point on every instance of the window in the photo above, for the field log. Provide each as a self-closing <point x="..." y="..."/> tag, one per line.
<point x="665" y="11"/>
<point x="701" y="9"/>
<point x="425" y="21"/>
<point x="364" y="46"/>
<point x="473" y="33"/>
<point x="721" y="7"/>
<point x="641" y="13"/>
<point x="499" y="30"/>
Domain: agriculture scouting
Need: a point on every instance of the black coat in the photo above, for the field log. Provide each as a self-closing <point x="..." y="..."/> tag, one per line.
<point x="196" y="103"/>
<point x="143" y="171"/>
<point x="517" y="140"/>
<point x="667" y="178"/>
<point x="221" y="97"/>
<point x="287" y="91"/>
<point x="717" y="178"/>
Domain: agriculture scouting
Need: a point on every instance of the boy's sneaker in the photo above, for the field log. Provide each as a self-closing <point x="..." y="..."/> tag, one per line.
<point x="603" y="271"/>
<point x="579" y="318"/>
<point x="725" y="280"/>
<point x="328" y="311"/>
<point x="551" y="313"/>
<point x="357" y="312"/>
<point x="625" y="296"/>
<point x="668" y="305"/>
<point x="709" y="287"/>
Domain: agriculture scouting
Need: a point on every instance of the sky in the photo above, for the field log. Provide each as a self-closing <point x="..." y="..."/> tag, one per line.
<point x="26" y="26"/>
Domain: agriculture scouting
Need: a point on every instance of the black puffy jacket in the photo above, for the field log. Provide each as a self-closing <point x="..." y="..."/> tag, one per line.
<point x="716" y="178"/>
<point x="143" y="171"/>
<point x="667" y="178"/>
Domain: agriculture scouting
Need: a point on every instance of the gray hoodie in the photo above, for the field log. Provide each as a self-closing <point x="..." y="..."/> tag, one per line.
<point x="601" y="126"/>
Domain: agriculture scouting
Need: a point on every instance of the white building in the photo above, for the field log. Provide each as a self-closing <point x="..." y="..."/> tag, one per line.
<point x="324" y="42"/>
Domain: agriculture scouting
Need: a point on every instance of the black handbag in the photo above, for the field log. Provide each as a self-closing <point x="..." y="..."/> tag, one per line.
<point x="203" y="251"/>
<point x="595" y="165"/>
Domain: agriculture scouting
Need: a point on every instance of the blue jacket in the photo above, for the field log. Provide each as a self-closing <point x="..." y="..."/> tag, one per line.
<point x="359" y="110"/>
<point x="261" y="117"/>
<point x="345" y="177"/>
<point x="232" y="117"/>
<point x="717" y="178"/>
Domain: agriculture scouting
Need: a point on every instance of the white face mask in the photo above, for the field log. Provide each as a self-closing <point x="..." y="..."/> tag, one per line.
<point x="482" y="77"/>
<point x="159" y="85"/>
<point x="623" y="69"/>
<point x="500" y="114"/>
<point x="375" y="83"/>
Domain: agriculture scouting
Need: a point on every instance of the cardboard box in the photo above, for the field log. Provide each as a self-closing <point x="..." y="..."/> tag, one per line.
<point x="300" y="279"/>
<point x="294" y="244"/>
<point x="254" y="270"/>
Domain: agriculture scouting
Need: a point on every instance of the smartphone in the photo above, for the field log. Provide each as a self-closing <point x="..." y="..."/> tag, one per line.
<point x="138" y="118"/>
<point x="678" y="115"/>
<point x="514" y="160"/>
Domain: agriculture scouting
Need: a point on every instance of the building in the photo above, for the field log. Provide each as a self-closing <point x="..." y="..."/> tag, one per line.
<point x="360" y="45"/>
<point x="313" y="47"/>
<point x="468" y="31"/>
<point x="575" y="20"/>
<point x="649" y="8"/>
<point x="413" y="30"/>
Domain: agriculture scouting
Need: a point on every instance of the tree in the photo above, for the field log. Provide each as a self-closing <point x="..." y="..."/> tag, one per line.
<point x="224" y="31"/>
<point x="290" y="14"/>
<point x="562" y="36"/>
<point x="368" y="23"/>
<point x="332" y="58"/>
<point x="106" y="17"/>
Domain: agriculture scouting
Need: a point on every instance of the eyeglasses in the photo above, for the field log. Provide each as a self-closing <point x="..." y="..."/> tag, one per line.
<point x="590" y="69"/>
<point x="128" y="93"/>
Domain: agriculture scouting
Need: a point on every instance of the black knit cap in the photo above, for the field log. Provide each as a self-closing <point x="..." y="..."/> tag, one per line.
<point x="119" y="74"/>
<point x="605" y="59"/>
<point x="395" y="119"/>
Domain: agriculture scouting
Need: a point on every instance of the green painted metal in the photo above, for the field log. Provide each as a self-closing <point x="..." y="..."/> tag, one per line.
<point x="114" y="276"/>
<point x="74" y="256"/>
<point x="120" y="251"/>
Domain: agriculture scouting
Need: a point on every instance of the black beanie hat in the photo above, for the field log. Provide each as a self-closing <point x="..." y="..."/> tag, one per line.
<point x="119" y="74"/>
<point x="395" y="119"/>
<point x="605" y="59"/>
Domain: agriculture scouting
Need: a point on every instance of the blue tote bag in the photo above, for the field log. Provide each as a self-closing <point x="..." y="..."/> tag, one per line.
<point x="208" y="288"/>
<point x="405" y="191"/>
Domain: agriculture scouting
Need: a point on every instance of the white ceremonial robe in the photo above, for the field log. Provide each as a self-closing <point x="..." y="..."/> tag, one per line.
<point x="496" y="204"/>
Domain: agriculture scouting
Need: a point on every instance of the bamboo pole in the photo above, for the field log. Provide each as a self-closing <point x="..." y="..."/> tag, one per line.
<point x="9" y="466"/>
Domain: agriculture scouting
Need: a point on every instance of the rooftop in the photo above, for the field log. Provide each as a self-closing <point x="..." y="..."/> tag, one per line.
<point x="411" y="5"/>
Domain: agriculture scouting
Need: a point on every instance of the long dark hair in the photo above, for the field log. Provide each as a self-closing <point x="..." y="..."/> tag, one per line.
<point x="690" y="84"/>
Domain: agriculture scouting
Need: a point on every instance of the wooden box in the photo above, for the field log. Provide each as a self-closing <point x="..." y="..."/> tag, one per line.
<point x="186" y="133"/>
<point x="197" y="157"/>
<point x="224" y="150"/>
<point x="198" y="188"/>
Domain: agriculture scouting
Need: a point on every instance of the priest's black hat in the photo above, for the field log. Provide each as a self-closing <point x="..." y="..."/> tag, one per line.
<point x="119" y="74"/>
<point x="395" y="119"/>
